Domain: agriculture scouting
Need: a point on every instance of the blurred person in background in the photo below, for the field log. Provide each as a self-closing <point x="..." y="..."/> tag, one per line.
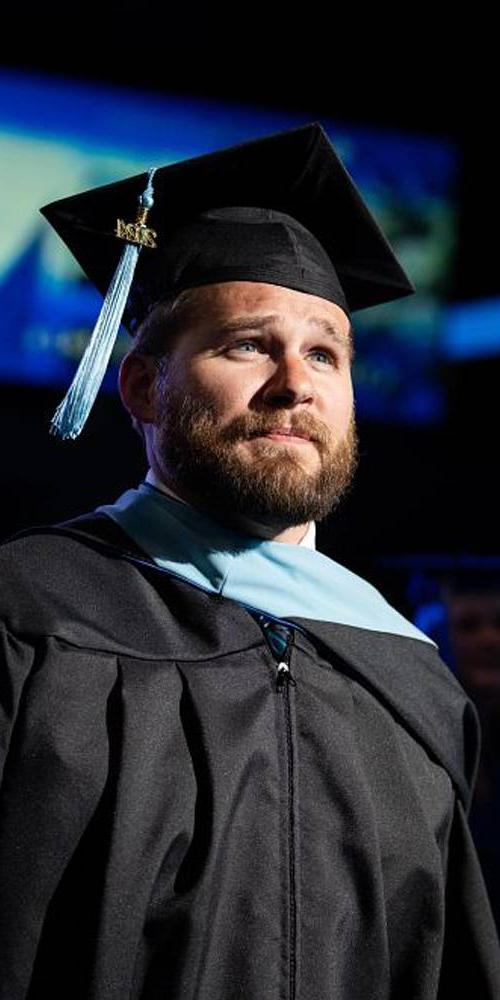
<point x="472" y="604"/>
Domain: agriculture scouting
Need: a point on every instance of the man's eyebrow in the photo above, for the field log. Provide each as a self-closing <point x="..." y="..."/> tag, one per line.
<point x="326" y="325"/>
<point x="245" y="323"/>
<point x="258" y="322"/>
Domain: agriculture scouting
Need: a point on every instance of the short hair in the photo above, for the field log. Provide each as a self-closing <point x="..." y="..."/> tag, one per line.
<point x="157" y="334"/>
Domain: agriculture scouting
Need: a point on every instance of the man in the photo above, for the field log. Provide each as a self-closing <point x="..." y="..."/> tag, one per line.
<point x="231" y="769"/>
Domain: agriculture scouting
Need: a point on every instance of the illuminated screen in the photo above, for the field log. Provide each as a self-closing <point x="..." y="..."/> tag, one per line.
<point x="58" y="137"/>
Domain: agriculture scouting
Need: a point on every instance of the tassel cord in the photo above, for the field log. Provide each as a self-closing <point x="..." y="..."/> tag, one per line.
<point x="72" y="412"/>
<point x="74" y="409"/>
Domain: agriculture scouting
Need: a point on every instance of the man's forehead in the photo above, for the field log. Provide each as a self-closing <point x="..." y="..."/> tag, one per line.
<point x="237" y="301"/>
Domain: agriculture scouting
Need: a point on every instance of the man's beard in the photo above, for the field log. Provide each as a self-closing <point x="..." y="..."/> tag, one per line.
<point x="272" y="485"/>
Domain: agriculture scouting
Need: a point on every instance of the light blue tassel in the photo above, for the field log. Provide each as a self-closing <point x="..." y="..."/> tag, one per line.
<point x="71" y="414"/>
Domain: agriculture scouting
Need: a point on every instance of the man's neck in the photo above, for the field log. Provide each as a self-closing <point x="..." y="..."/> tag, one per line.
<point x="301" y="534"/>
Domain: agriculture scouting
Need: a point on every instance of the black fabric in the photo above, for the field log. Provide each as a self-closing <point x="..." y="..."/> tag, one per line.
<point x="174" y="824"/>
<point x="281" y="210"/>
<point x="242" y="244"/>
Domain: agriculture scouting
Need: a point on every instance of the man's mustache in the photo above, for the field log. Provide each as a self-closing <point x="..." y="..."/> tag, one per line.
<point x="255" y="425"/>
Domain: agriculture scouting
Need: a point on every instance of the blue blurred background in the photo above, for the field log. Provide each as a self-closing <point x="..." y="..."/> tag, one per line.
<point x="59" y="137"/>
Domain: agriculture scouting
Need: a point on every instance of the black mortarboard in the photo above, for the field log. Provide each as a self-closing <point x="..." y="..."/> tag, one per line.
<point x="281" y="210"/>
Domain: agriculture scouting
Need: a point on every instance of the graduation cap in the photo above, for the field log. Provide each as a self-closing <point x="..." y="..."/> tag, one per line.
<point x="281" y="210"/>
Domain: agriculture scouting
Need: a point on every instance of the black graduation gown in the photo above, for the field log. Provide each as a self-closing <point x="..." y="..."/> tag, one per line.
<point x="182" y="818"/>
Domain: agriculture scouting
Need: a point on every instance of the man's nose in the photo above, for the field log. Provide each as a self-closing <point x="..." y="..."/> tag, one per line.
<point x="290" y="382"/>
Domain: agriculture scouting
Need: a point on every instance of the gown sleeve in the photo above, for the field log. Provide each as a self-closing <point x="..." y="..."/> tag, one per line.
<point x="471" y="953"/>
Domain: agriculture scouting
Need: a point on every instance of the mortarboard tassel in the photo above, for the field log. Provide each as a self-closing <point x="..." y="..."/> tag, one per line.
<point x="71" y="414"/>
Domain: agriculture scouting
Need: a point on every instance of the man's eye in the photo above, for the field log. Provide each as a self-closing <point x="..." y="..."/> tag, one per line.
<point x="247" y="346"/>
<point x="323" y="355"/>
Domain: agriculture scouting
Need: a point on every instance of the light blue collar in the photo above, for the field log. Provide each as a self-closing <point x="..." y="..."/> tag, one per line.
<point x="274" y="577"/>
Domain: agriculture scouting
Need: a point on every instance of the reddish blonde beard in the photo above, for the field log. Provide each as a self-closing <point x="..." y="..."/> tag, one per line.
<point x="271" y="484"/>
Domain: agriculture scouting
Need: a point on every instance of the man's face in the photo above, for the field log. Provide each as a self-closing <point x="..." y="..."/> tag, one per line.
<point x="254" y="407"/>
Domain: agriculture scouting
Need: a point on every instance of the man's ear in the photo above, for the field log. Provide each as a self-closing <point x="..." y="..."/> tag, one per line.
<point x="137" y="385"/>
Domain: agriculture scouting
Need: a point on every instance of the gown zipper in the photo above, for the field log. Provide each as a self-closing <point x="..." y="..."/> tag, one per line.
<point x="280" y="640"/>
